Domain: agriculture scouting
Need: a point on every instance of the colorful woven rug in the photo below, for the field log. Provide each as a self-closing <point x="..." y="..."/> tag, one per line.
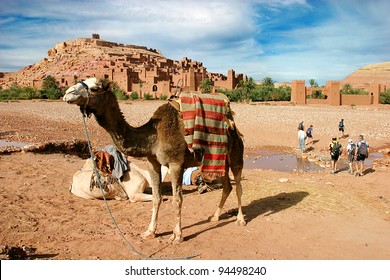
<point x="205" y="125"/>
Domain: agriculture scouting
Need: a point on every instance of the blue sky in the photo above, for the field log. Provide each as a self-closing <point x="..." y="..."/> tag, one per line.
<point x="281" y="39"/>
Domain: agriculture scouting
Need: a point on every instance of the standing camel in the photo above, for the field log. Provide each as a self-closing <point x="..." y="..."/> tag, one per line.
<point x="161" y="140"/>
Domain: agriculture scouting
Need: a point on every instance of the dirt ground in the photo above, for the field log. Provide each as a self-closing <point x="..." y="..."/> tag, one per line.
<point x="290" y="215"/>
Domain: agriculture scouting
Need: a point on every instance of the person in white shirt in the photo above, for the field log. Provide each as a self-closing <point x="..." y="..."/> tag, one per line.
<point x="301" y="139"/>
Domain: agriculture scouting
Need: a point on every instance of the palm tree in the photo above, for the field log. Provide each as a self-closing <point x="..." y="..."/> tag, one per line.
<point x="206" y="86"/>
<point x="50" y="88"/>
<point x="268" y="82"/>
<point x="313" y="83"/>
<point x="347" y="89"/>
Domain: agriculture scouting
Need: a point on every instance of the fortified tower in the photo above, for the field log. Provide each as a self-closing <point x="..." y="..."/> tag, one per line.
<point x="333" y="91"/>
<point x="298" y="92"/>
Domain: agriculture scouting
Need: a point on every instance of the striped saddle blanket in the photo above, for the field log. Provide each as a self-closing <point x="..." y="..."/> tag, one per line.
<point x="206" y="125"/>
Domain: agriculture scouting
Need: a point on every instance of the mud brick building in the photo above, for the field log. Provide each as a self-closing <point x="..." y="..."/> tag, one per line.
<point x="134" y="68"/>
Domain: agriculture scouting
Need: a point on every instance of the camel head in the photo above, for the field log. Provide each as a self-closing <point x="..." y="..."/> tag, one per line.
<point x="89" y="94"/>
<point x="79" y="93"/>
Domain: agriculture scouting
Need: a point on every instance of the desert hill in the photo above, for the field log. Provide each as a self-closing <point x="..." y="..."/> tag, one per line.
<point x="145" y="70"/>
<point x="134" y="68"/>
<point x="368" y="75"/>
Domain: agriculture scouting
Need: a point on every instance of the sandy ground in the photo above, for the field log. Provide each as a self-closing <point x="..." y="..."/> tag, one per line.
<point x="314" y="215"/>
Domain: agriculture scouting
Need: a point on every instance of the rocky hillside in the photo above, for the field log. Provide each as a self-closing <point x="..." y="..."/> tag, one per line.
<point x="134" y="68"/>
<point x="74" y="58"/>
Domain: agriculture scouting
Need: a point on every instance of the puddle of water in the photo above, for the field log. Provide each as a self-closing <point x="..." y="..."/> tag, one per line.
<point x="4" y="143"/>
<point x="279" y="161"/>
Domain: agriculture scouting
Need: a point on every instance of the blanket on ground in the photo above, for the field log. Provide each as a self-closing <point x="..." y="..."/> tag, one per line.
<point x="205" y="125"/>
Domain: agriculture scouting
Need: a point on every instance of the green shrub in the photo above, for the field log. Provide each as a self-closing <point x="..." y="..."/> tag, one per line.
<point x="317" y="94"/>
<point x="206" y="86"/>
<point x="148" y="96"/>
<point x="347" y="89"/>
<point x="16" y="92"/>
<point x="163" y="97"/>
<point x="120" y="94"/>
<point x="249" y="91"/>
<point x="134" y="96"/>
<point x="385" y="97"/>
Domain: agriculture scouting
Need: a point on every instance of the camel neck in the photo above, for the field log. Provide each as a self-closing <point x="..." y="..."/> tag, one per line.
<point x="129" y="140"/>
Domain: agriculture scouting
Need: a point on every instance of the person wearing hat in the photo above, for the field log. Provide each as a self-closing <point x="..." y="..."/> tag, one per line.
<point x="351" y="155"/>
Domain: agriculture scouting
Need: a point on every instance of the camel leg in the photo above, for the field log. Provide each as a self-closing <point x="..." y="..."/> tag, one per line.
<point x="155" y="175"/>
<point x="141" y="197"/>
<point x="177" y="178"/>
<point x="227" y="188"/>
<point x="237" y="178"/>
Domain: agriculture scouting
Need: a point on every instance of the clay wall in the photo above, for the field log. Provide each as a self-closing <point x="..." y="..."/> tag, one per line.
<point x="353" y="99"/>
<point x="333" y="96"/>
<point x="316" y="101"/>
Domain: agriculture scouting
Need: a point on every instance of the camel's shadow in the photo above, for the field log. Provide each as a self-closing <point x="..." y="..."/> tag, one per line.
<point x="265" y="206"/>
<point x="269" y="205"/>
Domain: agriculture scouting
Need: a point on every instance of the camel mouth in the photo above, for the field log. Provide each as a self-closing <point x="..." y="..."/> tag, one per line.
<point x="71" y="98"/>
<point x="71" y="102"/>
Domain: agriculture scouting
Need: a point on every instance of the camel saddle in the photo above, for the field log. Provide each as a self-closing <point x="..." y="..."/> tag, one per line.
<point x="206" y="121"/>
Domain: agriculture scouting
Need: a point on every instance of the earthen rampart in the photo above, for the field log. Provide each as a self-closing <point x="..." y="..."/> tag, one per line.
<point x="302" y="95"/>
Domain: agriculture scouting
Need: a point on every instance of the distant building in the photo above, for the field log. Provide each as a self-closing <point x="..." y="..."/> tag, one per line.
<point x="134" y="68"/>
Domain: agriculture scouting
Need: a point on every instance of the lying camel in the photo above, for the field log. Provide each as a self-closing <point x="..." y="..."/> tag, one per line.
<point x="132" y="186"/>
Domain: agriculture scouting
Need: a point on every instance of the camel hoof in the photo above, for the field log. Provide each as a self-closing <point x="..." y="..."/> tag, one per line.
<point x="214" y="219"/>
<point x="240" y="223"/>
<point x="148" y="235"/>
<point x="174" y="239"/>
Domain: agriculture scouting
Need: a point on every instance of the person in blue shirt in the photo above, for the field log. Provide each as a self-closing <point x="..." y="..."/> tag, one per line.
<point x="309" y="134"/>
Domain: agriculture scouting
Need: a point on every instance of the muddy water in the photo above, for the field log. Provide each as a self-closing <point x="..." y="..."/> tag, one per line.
<point x="4" y="143"/>
<point x="278" y="161"/>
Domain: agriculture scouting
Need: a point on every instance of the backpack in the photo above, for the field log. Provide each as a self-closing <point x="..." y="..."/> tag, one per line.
<point x="362" y="150"/>
<point x="336" y="148"/>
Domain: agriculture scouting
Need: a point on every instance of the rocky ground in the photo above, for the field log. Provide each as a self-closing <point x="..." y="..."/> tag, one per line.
<point x="290" y="215"/>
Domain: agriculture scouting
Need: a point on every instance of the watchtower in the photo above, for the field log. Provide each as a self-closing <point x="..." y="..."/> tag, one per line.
<point x="298" y="92"/>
